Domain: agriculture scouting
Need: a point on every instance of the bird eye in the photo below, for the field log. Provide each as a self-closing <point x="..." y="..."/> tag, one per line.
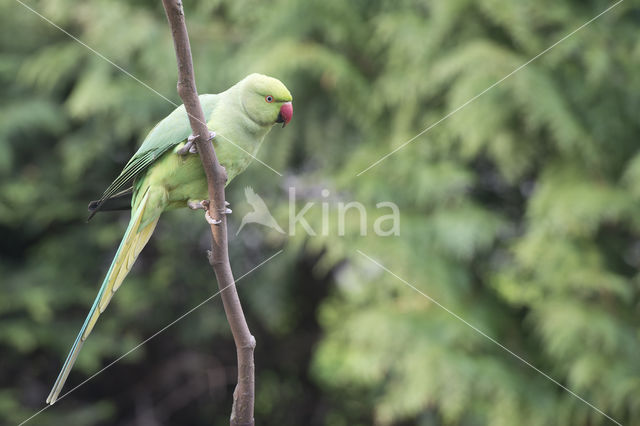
<point x="269" y="99"/>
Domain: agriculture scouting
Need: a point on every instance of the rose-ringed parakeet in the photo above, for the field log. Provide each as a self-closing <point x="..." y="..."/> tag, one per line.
<point x="165" y="175"/>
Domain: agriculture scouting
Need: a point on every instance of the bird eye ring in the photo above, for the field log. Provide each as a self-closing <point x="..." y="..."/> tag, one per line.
<point x="269" y="99"/>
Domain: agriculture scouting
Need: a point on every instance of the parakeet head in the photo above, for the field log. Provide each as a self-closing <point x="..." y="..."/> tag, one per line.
<point x="266" y="100"/>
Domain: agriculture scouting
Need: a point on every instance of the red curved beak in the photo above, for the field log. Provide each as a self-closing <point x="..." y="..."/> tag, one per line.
<point x="286" y="112"/>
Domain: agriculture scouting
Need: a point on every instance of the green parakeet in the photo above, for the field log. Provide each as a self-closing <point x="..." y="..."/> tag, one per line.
<point x="165" y="178"/>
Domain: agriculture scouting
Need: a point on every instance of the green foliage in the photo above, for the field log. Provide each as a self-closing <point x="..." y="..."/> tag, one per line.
<point x="518" y="213"/>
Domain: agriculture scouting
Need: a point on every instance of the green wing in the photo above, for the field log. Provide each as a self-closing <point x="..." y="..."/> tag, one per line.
<point x="168" y="133"/>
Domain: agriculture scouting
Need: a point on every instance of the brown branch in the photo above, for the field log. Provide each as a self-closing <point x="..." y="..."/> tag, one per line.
<point x="243" y="397"/>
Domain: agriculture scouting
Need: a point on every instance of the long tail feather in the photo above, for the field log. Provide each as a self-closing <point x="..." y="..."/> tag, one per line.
<point x="119" y="201"/>
<point x="131" y="245"/>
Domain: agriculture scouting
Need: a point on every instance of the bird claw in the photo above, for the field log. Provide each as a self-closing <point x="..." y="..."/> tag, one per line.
<point x="226" y="209"/>
<point x="204" y="205"/>
<point x="211" y="220"/>
<point x="185" y="149"/>
<point x="190" y="147"/>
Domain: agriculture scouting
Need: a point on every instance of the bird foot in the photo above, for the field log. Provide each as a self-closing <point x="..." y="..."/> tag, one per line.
<point x="204" y="205"/>
<point x="211" y="220"/>
<point x="190" y="147"/>
<point x="198" y="205"/>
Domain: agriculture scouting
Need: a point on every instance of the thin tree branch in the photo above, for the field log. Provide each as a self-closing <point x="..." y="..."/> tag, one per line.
<point x="243" y="397"/>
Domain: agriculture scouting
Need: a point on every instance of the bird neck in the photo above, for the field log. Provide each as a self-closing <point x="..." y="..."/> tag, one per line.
<point x="231" y="121"/>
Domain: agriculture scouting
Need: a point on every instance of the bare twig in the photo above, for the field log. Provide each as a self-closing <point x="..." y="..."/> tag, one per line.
<point x="243" y="397"/>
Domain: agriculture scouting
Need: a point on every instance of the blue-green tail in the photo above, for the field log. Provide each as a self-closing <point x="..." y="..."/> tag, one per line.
<point x="132" y="243"/>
